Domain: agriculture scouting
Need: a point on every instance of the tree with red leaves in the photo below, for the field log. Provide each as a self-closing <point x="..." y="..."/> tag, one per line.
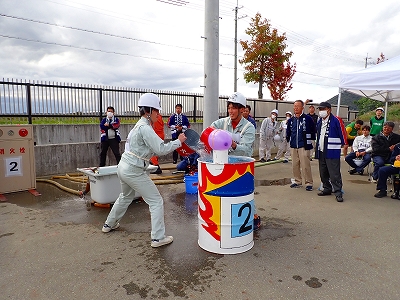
<point x="265" y="60"/>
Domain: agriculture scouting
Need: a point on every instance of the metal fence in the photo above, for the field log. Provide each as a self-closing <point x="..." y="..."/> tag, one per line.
<point x="45" y="102"/>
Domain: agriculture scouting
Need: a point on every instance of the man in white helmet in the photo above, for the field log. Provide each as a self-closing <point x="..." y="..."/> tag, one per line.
<point x="142" y="143"/>
<point x="235" y="123"/>
<point x="268" y="129"/>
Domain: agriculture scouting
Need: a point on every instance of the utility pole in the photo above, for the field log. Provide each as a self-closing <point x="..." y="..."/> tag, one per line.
<point x="366" y="60"/>
<point x="235" y="56"/>
<point x="235" y="64"/>
<point x="211" y="62"/>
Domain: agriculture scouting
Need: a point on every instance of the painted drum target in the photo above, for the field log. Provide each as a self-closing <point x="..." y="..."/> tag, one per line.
<point x="226" y="205"/>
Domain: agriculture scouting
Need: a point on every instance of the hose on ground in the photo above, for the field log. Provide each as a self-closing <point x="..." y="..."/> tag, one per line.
<point x="64" y="188"/>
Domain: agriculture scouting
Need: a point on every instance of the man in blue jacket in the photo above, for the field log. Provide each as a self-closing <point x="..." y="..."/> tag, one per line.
<point x="109" y="136"/>
<point x="330" y="139"/>
<point x="300" y="133"/>
<point x="178" y="122"/>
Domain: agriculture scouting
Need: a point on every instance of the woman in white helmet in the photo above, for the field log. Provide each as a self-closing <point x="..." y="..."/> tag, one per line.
<point x="236" y="124"/>
<point x="268" y="129"/>
<point x="142" y="143"/>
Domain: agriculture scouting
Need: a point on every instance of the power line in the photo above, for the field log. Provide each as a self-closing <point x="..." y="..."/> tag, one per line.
<point x="97" y="32"/>
<point x="303" y="41"/>
<point x="194" y="6"/>
<point x="98" y="50"/>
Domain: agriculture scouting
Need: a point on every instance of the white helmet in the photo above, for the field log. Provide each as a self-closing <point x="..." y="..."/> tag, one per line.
<point x="150" y="100"/>
<point x="237" y="97"/>
<point x="288" y="112"/>
<point x="274" y="111"/>
<point x="381" y="108"/>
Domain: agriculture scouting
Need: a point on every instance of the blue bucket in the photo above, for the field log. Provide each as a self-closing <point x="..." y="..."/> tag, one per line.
<point x="191" y="183"/>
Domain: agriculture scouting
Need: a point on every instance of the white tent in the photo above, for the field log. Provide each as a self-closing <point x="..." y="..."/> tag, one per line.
<point x="380" y="82"/>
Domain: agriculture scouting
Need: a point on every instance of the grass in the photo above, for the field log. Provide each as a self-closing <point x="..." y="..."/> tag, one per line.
<point x="68" y="120"/>
<point x="393" y="114"/>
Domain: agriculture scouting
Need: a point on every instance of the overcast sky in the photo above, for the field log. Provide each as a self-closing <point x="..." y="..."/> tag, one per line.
<point x="157" y="45"/>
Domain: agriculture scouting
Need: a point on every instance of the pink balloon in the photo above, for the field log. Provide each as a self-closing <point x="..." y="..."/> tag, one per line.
<point x="220" y="140"/>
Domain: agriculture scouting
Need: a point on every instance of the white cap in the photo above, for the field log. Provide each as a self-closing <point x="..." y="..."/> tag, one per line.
<point x="381" y="108"/>
<point x="150" y="100"/>
<point x="274" y="111"/>
<point x="237" y="97"/>
<point x="288" y="112"/>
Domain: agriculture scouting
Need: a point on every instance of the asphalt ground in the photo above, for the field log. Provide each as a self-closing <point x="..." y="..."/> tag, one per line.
<point x="308" y="247"/>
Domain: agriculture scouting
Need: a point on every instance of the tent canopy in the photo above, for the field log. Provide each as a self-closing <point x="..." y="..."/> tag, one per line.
<point x="380" y="82"/>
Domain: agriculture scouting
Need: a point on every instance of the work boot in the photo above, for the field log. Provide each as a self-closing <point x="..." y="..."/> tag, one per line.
<point x="158" y="171"/>
<point x="396" y="188"/>
<point x="381" y="194"/>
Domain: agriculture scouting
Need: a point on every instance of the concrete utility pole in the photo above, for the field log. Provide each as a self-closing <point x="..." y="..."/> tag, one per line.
<point x="366" y="60"/>
<point x="235" y="64"/>
<point x="211" y="62"/>
<point x="235" y="79"/>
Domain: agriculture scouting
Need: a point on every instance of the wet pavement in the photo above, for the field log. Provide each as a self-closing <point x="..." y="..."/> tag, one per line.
<point x="308" y="247"/>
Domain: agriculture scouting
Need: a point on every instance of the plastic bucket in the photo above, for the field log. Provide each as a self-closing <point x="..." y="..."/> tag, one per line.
<point x="191" y="143"/>
<point x="191" y="183"/>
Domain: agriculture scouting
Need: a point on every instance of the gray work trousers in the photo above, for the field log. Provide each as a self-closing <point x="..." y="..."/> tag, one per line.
<point x="134" y="179"/>
<point x="329" y="172"/>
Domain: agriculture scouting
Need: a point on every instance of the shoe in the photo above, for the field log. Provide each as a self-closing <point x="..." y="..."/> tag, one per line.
<point x="165" y="241"/>
<point x="295" y="185"/>
<point x="263" y="160"/>
<point x="158" y="171"/>
<point x="374" y="180"/>
<point x="285" y="161"/>
<point x="106" y="228"/>
<point x="274" y="159"/>
<point x="361" y="172"/>
<point x="354" y="171"/>
<point x="269" y="159"/>
<point x="324" y="193"/>
<point x="174" y="162"/>
<point x="339" y="198"/>
<point x="380" y="194"/>
<point x="309" y="188"/>
<point x="395" y="195"/>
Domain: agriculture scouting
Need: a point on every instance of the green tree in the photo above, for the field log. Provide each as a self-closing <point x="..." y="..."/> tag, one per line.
<point x="365" y="105"/>
<point x="265" y="60"/>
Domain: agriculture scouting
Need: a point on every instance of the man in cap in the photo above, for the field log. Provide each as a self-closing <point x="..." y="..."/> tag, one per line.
<point x="330" y="139"/>
<point x="268" y="129"/>
<point x="382" y="147"/>
<point x="235" y="123"/>
<point x="377" y="121"/>
<point x="300" y="133"/>
<point x="386" y="171"/>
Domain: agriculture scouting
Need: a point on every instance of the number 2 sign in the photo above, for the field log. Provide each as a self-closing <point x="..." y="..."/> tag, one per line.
<point x="13" y="166"/>
<point x="237" y="217"/>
